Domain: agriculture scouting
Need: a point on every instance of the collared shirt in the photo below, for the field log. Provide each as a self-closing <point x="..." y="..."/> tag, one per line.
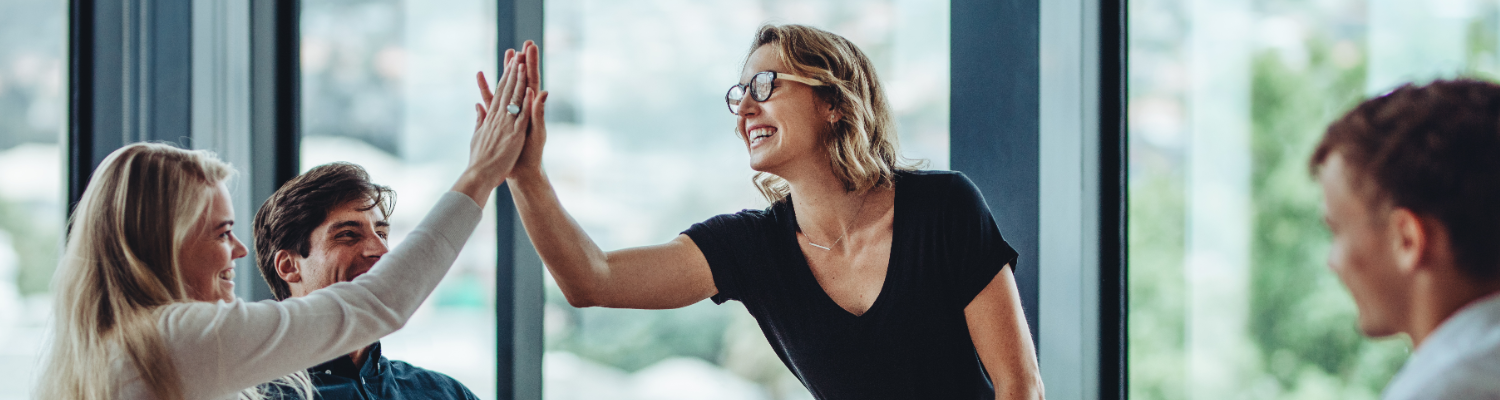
<point x="1459" y="360"/>
<point x="381" y="378"/>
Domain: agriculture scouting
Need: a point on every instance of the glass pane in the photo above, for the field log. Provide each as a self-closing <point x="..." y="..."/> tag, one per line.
<point x="1230" y="296"/>
<point x="641" y="146"/>
<point x="33" y="125"/>
<point x="389" y="85"/>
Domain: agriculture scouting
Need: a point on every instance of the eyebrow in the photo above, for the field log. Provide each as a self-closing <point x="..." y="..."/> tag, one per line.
<point x="223" y="224"/>
<point x="351" y="224"/>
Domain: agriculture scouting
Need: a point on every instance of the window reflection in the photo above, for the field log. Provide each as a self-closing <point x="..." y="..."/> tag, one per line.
<point x="389" y="85"/>
<point x="33" y="119"/>
<point x="640" y="147"/>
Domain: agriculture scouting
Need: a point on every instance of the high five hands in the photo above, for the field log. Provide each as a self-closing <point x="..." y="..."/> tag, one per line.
<point x="500" y="146"/>
<point x="532" y="105"/>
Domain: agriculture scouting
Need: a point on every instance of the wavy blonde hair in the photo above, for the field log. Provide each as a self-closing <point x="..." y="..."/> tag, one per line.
<point x="862" y="145"/>
<point x="120" y="268"/>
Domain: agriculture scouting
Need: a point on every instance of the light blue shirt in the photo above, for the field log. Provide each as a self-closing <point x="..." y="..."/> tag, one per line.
<point x="1460" y="360"/>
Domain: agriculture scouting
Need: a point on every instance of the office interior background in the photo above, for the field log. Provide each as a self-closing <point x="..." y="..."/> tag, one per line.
<point x="1149" y="155"/>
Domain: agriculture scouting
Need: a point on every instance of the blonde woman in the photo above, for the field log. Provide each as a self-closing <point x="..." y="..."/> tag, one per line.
<point x="145" y="303"/>
<point x="870" y="280"/>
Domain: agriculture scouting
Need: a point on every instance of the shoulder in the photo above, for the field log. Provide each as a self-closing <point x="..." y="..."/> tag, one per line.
<point x="737" y="224"/>
<point x="747" y="216"/>
<point x="1471" y="377"/>
<point x="428" y="381"/>
<point x="947" y="189"/>
<point x="932" y="178"/>
<point x="1464" y="382"/>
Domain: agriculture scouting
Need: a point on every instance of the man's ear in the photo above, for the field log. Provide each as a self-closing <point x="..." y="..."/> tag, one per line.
<point x="1410" y="239"/>
<point x="287" y="268"/>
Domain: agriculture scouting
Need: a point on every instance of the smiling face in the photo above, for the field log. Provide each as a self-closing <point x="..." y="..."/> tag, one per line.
<point x="787" y="129"/>
<point x="209" y="251"/>
<point x="350" y="240"/>
<point x="1364" y="251"/>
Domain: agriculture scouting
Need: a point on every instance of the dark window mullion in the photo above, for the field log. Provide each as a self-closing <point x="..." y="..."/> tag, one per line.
<point x="518" y="270"/>
<point x="1113" y="367"/>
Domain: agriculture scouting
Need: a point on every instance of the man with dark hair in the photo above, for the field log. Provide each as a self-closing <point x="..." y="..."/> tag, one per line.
<point x="328" y="226"/>
<point x="1411" y="183"/>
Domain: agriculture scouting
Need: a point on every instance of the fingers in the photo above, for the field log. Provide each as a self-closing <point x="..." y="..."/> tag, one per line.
<point x="512" y="57"/>
<point x="484" y="88"/>
<point x="538" y="106"/>
<point x="505" y="89"/>
<point x="497" y="105"/>
<point x="533" y="66"/>
<point x="524" y="118"/>
<point x="479" y="113"/>
<point x="519" y="87"/>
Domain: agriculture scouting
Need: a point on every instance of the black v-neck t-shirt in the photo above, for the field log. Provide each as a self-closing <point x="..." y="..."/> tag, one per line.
<point x="914" y="340"/>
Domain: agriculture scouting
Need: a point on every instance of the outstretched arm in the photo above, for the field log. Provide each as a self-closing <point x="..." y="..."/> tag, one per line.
<point x="222" y="348"/>
<point x="998" y="328"/>
<point x="670" y="275"/>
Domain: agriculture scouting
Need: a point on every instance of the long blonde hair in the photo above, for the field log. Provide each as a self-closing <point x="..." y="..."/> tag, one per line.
<point x="862" y="144"/>
<point x="121" y="266"/>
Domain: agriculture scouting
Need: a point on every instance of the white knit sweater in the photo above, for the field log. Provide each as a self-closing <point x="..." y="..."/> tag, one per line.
<point x="223" y="348"/>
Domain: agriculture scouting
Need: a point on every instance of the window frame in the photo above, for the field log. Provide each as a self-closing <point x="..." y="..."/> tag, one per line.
<point x="125" y="82"/>
<point x="1060" y="65"/>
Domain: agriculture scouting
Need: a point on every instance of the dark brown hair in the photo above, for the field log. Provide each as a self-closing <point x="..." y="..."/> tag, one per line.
<point x="1434" y="150"/>
<point x="287" y="219"/>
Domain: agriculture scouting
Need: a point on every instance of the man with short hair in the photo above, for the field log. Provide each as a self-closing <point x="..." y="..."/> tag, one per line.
<point x="1411" y="184"/>
<point x="328" y="226"/>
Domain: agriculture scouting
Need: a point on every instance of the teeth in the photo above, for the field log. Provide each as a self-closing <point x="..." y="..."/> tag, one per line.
<point x="761" y="132"/>
<point x="228" y="274"/>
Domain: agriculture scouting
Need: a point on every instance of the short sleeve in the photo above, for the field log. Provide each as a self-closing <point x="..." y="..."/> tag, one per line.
<point x="725" y="241"/>
<point x="980" y="250"/>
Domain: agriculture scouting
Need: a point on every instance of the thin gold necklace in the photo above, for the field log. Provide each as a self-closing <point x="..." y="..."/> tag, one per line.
<point x="846" y="228"/>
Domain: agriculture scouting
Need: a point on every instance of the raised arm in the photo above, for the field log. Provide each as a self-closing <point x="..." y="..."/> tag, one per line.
<point x="222" y="348"/>
<point x="670" y="275"/>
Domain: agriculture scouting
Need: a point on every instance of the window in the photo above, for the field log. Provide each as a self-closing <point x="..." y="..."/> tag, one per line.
<point x="33" y="117"/>
<point x="389" y="85"/>
<point x="640" y="147"/>
<point x="1229" y="292"/>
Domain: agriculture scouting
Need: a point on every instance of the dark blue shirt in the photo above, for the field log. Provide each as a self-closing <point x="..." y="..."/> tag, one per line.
<point x="382" y="378"/>
<point x="914" y="340"/>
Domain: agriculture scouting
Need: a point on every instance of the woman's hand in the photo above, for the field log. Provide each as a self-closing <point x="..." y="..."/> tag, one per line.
<point x="530" y="161"/>
<point x="499" y="136"/>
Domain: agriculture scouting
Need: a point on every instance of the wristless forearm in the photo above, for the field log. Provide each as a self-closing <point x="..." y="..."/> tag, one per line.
<point x="573" y="258"/>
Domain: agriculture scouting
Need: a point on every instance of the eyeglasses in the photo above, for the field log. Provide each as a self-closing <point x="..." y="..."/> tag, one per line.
<point x="760" y="88"/>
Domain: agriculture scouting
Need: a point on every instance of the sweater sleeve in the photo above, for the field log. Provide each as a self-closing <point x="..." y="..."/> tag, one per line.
<point x="222" y="348"/>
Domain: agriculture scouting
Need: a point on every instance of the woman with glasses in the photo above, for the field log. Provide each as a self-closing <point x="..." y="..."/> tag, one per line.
<point x="870" y="279"/>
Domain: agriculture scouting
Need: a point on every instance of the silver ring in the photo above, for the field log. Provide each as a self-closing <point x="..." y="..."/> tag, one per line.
<point x="513" y="109"/>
